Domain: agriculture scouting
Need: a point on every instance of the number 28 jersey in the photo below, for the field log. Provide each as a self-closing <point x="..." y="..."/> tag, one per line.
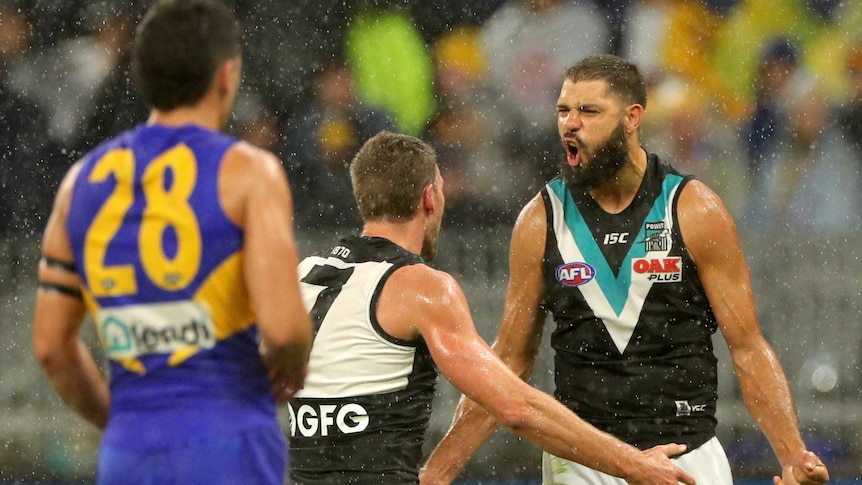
<point x="364" y="410"/>
<point x="162" y="274"/>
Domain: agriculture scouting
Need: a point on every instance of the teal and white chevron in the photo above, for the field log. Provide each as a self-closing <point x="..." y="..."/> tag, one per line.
<point x="615" y="299"/>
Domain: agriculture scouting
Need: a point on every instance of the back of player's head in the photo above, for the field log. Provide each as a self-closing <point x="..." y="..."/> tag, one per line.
<point x="179" y="45"/>
<point x="623" y="77"/>
<point x="389" y="173"/>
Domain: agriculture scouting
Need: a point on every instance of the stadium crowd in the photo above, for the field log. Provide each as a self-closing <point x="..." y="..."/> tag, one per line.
<point x="762" y="99"/>
<point x="766" y="107"/>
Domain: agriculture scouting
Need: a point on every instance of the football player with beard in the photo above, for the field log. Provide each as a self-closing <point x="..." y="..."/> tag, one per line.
<point x="638" y="266"/>
<point x="386" y="323"/>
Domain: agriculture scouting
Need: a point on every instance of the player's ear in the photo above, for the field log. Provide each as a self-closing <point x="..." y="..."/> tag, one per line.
<point x="428" y="202"/>
<point x="633" y="116"/>
<point x="227" y="75"/>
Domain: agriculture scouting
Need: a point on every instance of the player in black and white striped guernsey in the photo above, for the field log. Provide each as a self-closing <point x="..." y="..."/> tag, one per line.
<point x="367" y="400"/>
<point x="385" y="321"/>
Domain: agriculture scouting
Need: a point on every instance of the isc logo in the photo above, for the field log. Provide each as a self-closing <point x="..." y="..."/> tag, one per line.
<point x="316" y="420"/>
<point x="575" y="274"/>
<point x="683" y="408"/>
<point x="616" y="238"/>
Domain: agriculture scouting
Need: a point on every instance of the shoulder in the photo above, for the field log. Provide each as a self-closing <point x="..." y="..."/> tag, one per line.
<point x="530" y="229"/>
<point x="55" y="239"/>
<point x="243" y="157"/>
<point x="705" y="223"/>
<point x="251" y="178"/>
<point x="698" y="201"/>
<point x="65" y="189"/>
<point x="418" y="300"/>
<point x="420" y="284"/>
<point x="251" y="170"/>
<point x="533" y="215"/>
<point x="71" y="176"/>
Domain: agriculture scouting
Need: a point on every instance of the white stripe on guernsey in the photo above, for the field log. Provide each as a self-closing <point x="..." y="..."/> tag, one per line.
<point x="349" y="357"/>
<point x="620" y="326"/>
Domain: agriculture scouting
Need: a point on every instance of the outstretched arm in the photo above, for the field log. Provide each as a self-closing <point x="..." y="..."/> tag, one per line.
<point x="497" y="393"/>
<point x="517" y="345"/>
<point x="711" y="238"/>
<point x="58" y="315"/>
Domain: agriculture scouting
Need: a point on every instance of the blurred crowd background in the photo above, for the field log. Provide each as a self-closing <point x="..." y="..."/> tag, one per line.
<point x="762" y="99"/>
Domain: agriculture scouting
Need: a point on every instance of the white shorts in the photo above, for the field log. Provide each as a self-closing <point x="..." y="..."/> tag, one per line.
<point x="707" y="464"/>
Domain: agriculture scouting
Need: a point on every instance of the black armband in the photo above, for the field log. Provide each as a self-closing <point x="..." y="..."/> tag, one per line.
<point x="64" y="289"/>
<point x="56" y="263"/>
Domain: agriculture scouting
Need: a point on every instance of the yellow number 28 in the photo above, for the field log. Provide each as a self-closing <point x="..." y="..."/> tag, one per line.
<point x="165" y="207"/>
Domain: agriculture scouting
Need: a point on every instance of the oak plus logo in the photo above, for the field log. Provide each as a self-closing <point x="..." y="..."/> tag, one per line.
<point x="575" y="274"/>
<point x="659" y="270"/>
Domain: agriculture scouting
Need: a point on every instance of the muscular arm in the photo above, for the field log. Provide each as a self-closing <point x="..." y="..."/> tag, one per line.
<point x="494" y="392"/>
<point x="256" y="195"/>
<point x="517" y="343"/>
<point x="57" y="318"/>
<point x="711" y="238"/>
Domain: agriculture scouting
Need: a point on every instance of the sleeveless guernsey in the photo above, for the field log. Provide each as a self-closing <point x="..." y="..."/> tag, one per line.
<point x="364" y="410"/>
<point x="162" y="275"/>
<point x="633" y="327"/>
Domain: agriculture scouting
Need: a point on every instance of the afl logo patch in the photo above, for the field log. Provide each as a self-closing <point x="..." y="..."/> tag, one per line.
<point x="575" y="274"/>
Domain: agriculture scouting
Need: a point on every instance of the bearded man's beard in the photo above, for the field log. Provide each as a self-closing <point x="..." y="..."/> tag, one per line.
<point x="604" y="163"/>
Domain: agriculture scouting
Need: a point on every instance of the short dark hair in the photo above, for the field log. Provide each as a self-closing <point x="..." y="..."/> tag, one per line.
<point x="389" y="173"/>
<point x="623" y="77"/>
<point x="178" y="47"/>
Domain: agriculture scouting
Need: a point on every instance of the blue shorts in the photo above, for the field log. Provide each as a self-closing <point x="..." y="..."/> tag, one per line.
<point x="255" y="457"/>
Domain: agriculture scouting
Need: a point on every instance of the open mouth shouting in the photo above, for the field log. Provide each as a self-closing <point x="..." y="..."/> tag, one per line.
<point x="573" y="157"/>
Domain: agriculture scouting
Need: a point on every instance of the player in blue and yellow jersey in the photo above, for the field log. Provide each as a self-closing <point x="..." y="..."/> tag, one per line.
<point x="639" y="266"/>
<point x="177" y="240"/>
